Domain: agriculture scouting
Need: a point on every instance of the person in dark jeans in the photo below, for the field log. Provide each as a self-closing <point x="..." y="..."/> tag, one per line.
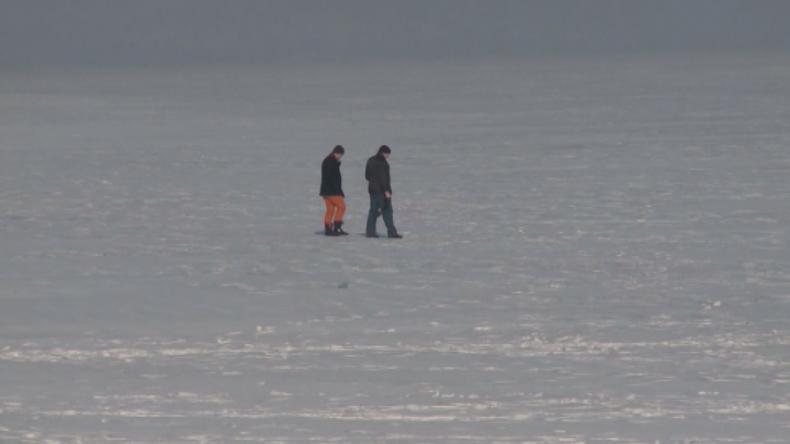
<point x="377" y="172"/>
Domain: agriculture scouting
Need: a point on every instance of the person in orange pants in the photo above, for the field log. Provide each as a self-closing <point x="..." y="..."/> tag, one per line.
<point x="332" y="192"/>
<point x="333" y="218"/>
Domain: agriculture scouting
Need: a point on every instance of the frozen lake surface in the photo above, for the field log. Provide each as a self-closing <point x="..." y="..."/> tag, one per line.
<point x="595" y="252"/>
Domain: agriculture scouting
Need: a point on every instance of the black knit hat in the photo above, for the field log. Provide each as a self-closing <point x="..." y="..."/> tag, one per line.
<point x="384" y="149"/>
<point x="339" y="150"/>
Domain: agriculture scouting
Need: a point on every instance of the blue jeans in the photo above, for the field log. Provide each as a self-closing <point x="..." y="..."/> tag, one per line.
<point x="380" y="204"/>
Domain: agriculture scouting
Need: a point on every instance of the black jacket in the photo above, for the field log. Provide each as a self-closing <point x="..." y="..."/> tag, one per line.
<point x="331" y="181"/>
<point x="377" y="172"/>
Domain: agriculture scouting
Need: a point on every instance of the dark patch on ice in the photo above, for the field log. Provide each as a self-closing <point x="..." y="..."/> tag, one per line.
<point x="566" y="147"/>
<point x="14" y="218"/>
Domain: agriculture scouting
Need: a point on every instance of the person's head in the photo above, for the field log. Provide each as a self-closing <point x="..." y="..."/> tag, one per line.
<point x="384" y="151"/>
<point x="338" y="151"/>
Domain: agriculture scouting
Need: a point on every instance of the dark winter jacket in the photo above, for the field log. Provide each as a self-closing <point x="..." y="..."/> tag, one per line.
<point x="377" y="172"/>
<point x="331" y="181"/>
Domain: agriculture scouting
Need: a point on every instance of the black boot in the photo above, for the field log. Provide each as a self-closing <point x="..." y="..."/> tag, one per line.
<point x="394" y="236"/>
<point x="339" y="229"/>
<point x="329" y="231"/>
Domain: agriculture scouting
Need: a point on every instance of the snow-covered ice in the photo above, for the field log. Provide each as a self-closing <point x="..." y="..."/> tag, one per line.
<point x="596" y="251"/>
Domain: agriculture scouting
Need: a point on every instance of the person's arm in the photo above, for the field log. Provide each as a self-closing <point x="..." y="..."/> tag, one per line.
<point x="339" y="181"/>
<point x="373" y="175"/>
<point x="324" y="176"/>
<point x="386" y="185"/>
<point x="380" y="178"/>
<point x="368" y="168"/>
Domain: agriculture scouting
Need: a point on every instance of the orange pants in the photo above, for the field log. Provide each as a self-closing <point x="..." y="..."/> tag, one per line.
<point x="335" y="209"/>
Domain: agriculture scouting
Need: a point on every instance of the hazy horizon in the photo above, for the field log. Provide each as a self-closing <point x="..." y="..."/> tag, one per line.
<point x="185" y="32"/>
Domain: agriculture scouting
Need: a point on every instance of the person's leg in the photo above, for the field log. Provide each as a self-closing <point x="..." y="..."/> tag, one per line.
<point x="386" y="212"/>
<point x="328" y="216"/>
<point x="340" y="205"/>
<point x="330" y="211"/>
<point x="373" y="214"/>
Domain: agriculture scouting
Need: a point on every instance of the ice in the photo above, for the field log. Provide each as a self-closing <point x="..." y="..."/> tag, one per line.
<point x="595" y="251"/>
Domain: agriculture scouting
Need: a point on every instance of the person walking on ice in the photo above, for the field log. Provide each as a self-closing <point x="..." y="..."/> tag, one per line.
<point x="377" y="172"/>
<point x="332" y="192"/>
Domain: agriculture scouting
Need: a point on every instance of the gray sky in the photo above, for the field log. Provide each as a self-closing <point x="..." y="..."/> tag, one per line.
<point x="121" y="32"/>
